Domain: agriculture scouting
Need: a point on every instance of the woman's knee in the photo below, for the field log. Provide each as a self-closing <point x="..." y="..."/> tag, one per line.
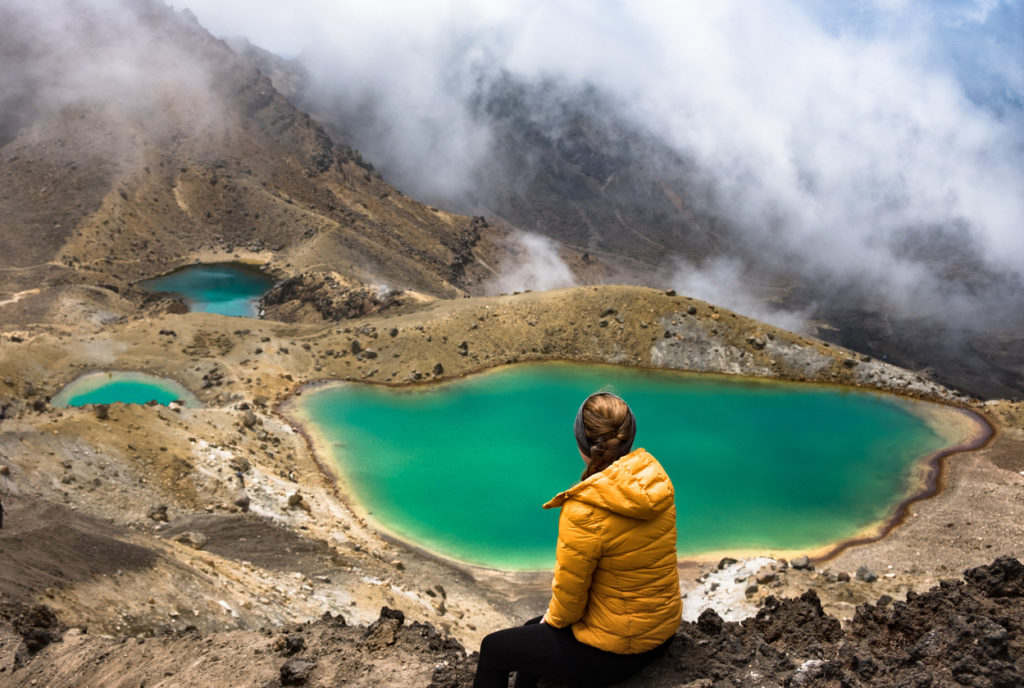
<point x="491" y="648"/>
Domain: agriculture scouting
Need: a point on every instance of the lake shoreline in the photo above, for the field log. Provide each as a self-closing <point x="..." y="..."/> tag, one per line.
<point x="974" y="433"/>
<point x="88" y="383"/>
<point x="201" y="286"/>
<point x="935" y="464"/>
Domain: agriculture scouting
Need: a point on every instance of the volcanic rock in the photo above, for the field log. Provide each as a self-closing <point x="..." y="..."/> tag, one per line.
<point x="865" y="574"/>
<point x="295" y="672"/>
<point x="292" y="644"/>
<point x="328" y="295"/>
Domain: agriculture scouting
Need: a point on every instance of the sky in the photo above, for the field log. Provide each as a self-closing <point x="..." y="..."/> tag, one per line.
<point x="832" y="130"/>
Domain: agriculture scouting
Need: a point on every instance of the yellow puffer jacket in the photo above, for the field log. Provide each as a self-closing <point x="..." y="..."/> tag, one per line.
<point x="616" y="579"/>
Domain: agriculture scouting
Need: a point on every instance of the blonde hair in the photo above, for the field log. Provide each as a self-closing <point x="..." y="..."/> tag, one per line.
<point x="609" y="426"/>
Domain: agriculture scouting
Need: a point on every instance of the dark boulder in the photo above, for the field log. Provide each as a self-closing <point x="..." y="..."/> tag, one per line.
<point x="295" y="672"/>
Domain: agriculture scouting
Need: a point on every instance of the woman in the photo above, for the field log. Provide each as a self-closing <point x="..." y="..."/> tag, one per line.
<point x="615" y="601"/>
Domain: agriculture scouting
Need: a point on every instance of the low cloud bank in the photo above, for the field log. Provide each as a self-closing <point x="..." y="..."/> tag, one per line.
<point x="873" y="148"/>
<point x="104" y="55"/>
<point x="725" y="282"/>
<point x="827" y="131"/>
<point x="535" y="264"/>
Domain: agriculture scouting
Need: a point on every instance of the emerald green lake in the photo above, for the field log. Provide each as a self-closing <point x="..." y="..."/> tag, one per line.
<point x="462" y="468"/>
<point x="225" y="288"/>
<point x="127" y="388"/>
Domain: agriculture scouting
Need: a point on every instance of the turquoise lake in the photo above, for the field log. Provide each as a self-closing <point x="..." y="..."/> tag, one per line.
<point x="225" y="288"/>
<point x="127" y="388"/>
<point x="462" y="468"/>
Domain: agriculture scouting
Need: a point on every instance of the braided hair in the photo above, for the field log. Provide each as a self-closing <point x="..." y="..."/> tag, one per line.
<point x="605" y="428"/>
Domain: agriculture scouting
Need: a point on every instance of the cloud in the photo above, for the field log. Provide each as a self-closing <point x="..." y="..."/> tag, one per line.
<point x="726" y="282"/>
<point x="108" y="55"/>
<point x="535" y="264"/>
<point x="841" y="138"/>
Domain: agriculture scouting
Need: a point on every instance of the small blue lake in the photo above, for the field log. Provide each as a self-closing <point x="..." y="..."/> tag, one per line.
<point x="462" y="468"/>
<point x="225" y="288"/>
<point x="127" y="388"/>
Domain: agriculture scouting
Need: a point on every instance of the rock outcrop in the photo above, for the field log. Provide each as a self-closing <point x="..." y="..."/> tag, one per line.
<point x="329" y="296"/>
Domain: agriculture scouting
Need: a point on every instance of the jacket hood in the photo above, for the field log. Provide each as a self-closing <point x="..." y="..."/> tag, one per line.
<point x="635" y="486"/>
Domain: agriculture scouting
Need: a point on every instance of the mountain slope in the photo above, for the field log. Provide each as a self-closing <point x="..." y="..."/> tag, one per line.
<point x="140" y="143"/>
<point x="570" y="162"/>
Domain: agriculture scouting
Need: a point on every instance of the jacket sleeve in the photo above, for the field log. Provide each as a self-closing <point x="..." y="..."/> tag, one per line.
<point x="577" y="554"/>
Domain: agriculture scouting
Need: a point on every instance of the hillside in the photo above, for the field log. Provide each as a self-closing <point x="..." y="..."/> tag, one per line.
<point x="111" y="175"/>
<point x="575" y="163"/>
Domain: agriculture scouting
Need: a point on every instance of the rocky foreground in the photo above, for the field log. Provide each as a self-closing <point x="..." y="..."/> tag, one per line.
<point x="966" y="632"/>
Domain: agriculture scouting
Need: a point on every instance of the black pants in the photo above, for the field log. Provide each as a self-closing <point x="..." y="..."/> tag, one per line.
<point x="537" y="651"/>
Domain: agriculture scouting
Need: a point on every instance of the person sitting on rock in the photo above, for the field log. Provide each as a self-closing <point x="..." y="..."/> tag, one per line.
<point x="615" y="602"/>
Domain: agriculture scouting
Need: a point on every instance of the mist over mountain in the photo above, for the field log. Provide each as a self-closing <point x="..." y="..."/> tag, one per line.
<point x="134" y="142"/>
<point x="857" y="168"/>
<point x="851" y="172"/>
